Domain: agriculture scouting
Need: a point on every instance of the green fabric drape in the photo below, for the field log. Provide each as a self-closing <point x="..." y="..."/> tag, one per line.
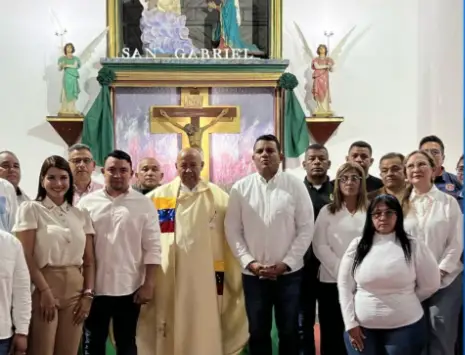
<point x="98" y="132"/>
<point x="296" y="137"/>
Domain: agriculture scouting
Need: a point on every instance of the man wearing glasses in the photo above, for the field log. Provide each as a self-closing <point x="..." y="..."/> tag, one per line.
<point x="82" y="165"/>
<point x="444" y="181"/>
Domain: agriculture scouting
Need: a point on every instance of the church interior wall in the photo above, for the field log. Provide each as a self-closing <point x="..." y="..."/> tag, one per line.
<point x="401" y="80"/>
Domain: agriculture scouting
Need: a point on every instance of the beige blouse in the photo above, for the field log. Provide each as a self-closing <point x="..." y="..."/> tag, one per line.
<point x="60" y="231"/>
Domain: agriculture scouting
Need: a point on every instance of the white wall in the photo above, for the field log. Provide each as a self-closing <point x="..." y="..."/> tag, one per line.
<point x="400" y="81"/>
<point x="401" y="75"/>
<point x="30" y="78"/>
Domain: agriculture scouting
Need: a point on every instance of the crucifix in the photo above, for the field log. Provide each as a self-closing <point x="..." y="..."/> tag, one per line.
<point x="195" y="120"/>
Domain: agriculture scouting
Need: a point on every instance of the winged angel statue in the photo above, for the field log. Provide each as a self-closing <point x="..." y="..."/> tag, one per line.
<point x="322" y="64"/>
<point x="70" y="65"/>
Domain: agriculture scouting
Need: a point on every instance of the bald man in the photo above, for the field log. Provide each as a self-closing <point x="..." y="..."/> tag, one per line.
<point x="148" y="175"/>
<point x="198" y="306"/>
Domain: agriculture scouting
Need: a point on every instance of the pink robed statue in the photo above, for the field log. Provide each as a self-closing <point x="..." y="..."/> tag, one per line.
<point x="321" y="66"/>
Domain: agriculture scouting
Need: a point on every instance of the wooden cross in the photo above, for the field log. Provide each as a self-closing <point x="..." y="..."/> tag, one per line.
<point x="195" y="120"/>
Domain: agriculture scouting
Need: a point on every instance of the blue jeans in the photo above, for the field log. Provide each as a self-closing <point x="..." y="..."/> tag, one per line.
<point x="260" y="298"/>
<point x="408" y="340"/>
<point x="5" y="346"/>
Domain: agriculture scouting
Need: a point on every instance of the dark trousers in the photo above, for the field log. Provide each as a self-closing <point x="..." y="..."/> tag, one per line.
<point x="308" y="296"/>
<point x="5" y="346"/>
<point x="408" y="340"/>
<point x="330" y="318"/>
<point x="124" y="313"/>
<point x="260" y="298"/>
<point x="459" y="342"/>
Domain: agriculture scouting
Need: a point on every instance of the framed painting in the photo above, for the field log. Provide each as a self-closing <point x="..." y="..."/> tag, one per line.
<point x="163" y="26"/>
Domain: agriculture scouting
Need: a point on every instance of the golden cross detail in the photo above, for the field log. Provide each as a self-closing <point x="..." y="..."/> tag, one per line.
<point x="195" y="120"/>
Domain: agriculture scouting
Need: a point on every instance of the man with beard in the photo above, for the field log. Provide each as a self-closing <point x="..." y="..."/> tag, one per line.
<point x="10" y="163"/>
<point x="127" y="251"/>
<point x="82" y="165"/>
<point x="360" y="152"/>
<point x="392" y="172"/>
<point x="269" y="226"/>
<point x="320" y="189"/>
<point x="198" y="307"/>
<point x="148" y="175"/>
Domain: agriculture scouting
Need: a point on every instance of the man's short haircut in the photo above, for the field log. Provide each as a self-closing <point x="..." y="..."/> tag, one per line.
<point x="79" y="146"/>
<point x="9" y="152"/>
<point x="120" y="155"/>
<point x="392" y="155"/>
<point x="361" y="144"/>
<point x="268" y="138"/>
<point x="432" y="139"/>
<point x="460" y="159"/>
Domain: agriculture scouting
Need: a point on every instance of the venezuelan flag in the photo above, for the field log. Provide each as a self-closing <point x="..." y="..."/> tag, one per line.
<point x="166" y="207"/>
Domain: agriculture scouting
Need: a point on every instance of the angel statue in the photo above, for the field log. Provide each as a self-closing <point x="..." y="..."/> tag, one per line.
<point x="322" y="64"/>
<point x="70" y="65"/>
<point x="227" y="32"/>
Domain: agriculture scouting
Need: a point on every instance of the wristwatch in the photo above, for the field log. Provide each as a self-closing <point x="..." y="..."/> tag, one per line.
<point x="88" y="293"/>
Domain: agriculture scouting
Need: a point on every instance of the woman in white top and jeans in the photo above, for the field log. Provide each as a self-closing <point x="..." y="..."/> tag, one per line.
<point x="436" y="217"/>
<point x="382" y="278"/>
<point x="336" y="226"/>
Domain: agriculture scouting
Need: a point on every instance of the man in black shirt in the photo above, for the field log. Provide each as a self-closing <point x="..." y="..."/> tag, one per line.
<point x="360" y="152"/>
<point x="316" y="164"/>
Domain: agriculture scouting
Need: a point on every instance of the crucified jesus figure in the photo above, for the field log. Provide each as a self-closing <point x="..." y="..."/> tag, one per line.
<point x="194" y="132"/>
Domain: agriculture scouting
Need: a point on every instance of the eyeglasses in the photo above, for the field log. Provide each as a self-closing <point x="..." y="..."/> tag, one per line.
<point x="77" y="161"/>
<point x="346" y="179"/>
<point x="387" y="214"/>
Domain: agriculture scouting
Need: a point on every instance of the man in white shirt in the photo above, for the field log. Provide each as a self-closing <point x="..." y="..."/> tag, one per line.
<point x="10" y="163"/>
<point x="82" y="165"/>
<point x="127" y="253"/>
<point x="8" y="203"/>
<point x="269" y="226"/>
<point x="15" y="296"/>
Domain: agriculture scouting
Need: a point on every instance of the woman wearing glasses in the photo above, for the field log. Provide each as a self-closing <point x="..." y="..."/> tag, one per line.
<point x="336" y="226"/>
<point x="382" y="278"/>
<point x="435" y="217"/>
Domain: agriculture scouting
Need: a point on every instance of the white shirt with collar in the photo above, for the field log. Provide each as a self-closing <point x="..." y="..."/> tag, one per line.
<point x="435" y="217"/>
<point x="15" y="287"/>
<point x="8" y="205"/>
<point x="60" y="231"/>
<point x="333" y="234"/>
<point x="127" y="237"/>
<point x="385" y="292"/>
<point x="269" y="222"/>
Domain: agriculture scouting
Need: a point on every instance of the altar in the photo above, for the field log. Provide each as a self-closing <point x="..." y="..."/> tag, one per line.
<point x="189" y="90"/>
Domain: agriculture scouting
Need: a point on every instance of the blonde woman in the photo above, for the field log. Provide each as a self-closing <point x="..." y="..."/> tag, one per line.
<point x="435" y="217"/>
<point x="336" y="226"/>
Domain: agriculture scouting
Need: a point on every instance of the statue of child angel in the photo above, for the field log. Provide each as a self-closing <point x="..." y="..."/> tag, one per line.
<point x="70" y="65"/>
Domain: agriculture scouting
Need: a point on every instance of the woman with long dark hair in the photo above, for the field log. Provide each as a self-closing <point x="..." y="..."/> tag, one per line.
<point x="436" y="217"/>
<point x="337" y="225"/>
<point x="382" y="278"/>
<point x="57" y="239"/>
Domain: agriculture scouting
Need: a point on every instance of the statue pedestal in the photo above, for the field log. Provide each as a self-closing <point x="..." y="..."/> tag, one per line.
<point x="68" y="127"/>
<point x="322" y="128"/>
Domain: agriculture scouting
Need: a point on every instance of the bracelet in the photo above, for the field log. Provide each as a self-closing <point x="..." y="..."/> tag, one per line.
<point x="88" y="293"/>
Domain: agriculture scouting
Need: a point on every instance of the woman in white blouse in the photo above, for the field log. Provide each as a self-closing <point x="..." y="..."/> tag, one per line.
<point x="382" y="278"/>
<point x="435" y="217"/>
<point x="336" y="226"/>
<point x="57" y="242"/>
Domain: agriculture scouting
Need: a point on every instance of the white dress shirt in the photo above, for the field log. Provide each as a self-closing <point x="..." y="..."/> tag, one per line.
<point x="435" y="217"/>
<point x="333" y="234"/>
<point x="15" y="287"/>
<point x="269" y="222"/>
<point x="8" y="205"/>
<point x="386" y="291"/>
<point x="60" y="231"/>
<point x="127" y="237"/>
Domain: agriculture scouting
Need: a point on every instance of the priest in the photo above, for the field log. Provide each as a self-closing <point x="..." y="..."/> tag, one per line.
<point x="198" y="305"/>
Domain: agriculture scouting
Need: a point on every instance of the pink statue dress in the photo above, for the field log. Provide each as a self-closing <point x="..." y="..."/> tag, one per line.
<point x="321" y="67"/>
